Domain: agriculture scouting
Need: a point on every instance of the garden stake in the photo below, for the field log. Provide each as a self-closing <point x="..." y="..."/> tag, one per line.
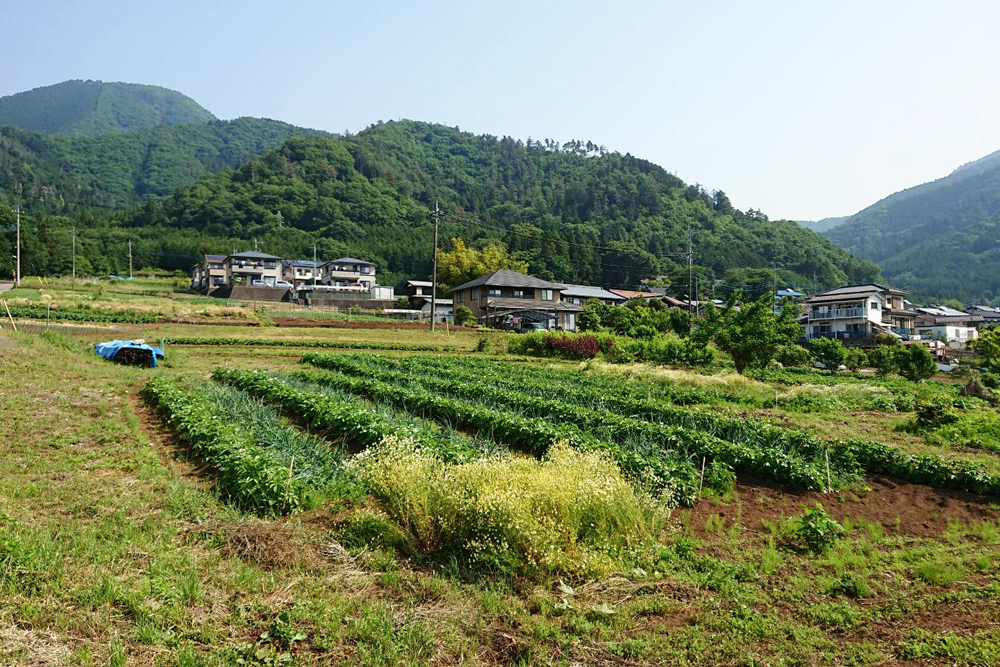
<point x="288" y="483"/>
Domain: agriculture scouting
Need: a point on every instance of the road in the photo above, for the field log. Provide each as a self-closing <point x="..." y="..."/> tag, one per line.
<point x="6" y="286"/>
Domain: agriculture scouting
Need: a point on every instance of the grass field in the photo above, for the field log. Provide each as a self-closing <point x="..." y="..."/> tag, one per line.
<point x="124" y="539"/>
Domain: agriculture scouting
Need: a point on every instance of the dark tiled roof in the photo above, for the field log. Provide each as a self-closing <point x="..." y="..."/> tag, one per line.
<point x="956" y="319"/>
<point x="588" y="292"/>
<point x="632" y="294"/>
<point x="253" y="255"/>
<point x="301" y="262"/>
<point x="866" y="287"/>
<point x="350" y="260"/>
<point x="826" y="297"/>
<point x="506" y="278"/>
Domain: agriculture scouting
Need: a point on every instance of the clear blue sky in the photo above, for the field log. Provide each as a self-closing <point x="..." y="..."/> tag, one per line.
<point x="800" y="109"/>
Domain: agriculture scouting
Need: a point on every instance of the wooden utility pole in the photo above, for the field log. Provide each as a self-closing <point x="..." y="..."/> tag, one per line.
<point x="690" y="258"/>
<point x="130" y="259"/>
<point x="774" y="287"/>
<point x="74" y="254"/>
<point x="314" y="270"/>
<point x="434" y="275"/>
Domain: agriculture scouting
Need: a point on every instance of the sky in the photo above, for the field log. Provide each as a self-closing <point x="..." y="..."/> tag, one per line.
<point x="802" y="110"/>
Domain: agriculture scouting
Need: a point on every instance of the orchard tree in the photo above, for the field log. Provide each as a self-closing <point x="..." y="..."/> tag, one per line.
<point x="884" y="359"/>
<point x="988" y="347"/>
<point x="749" y="333"/>
<point x="830" y="352"/>
<point x="856" y="359"/>
<point x="916" y="363"/>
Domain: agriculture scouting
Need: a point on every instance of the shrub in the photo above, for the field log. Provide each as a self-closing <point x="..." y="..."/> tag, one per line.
<point x="569" y="512"/>
<point x="817" y="530"/>
<point x="791" y="355"/>
<point x="884" y="358"/>
<point x="365" y="528"/>
<point x="886" y="339"/>
<point x="462" y="315"/>
<point x="829" y="352"/>
<point x="931" y="415"/>
<point x="916" y="363"/>
<point x="856" y="359"/>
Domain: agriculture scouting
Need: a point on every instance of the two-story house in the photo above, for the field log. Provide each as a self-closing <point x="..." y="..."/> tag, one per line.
<point x="300" y="272"/>
<point x="852" y="314"/>
<point x="948" y="324"/>
<point x="209" y="274"/>
<point x="244" y="268"/>
<point x="990" y="314"/>
<point x="348" y="271"/>
<point x="509" y="298"/>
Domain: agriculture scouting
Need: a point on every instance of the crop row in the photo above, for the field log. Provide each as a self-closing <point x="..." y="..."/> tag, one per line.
<point x="252" y="476"/>
<point x="326" y="344"/>
<point x="848" y="458"/>
<point x="350" y="420"/>
<point x="83" y="315"/>
<point x="783" y="465"/>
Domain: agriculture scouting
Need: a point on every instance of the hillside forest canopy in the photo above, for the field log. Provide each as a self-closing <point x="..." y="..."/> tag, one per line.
<point x="574" y="213"/>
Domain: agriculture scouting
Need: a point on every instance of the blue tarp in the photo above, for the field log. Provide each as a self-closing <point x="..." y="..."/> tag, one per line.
<point x="110" y="349"/>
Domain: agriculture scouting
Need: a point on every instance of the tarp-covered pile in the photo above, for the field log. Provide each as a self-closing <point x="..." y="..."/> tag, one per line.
<point x="133" y="352"/>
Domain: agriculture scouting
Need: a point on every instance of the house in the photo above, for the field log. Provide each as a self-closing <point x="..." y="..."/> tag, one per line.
<point x="348" y="271"/>
<point x="243" y="268"/>
<point x="947" y="324"/>
<point x="632" y="294"/>
<point x="418" y="292"/>
<point x="444" y="308"/>
<point x="209" y="274"/>
<point x="990" y="314"/>
<point x="579" y="295"/>
<point x="509" y="298"/>
<point x="300" y="272"/>
<point x="857" y="313"/>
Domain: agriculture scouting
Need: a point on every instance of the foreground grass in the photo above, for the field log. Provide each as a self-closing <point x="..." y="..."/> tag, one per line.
<point x="115" y="551"/>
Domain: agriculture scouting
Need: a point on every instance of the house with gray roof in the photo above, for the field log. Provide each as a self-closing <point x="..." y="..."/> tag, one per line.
<point x="581" y="294"/>
<point x="855" y="314"/>
<point x="508" y="299"/>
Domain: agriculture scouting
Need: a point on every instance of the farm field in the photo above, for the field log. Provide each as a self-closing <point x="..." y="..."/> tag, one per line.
<point x="267" y="503"/>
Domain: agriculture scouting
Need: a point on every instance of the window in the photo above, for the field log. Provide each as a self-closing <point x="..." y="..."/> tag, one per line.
<point x="569" y="321"/>
<point x="366" y="270"/>
<point x="875" y="305"/>
<point x="269" y="265"/>
<point x="493" y="291"/>
<point x="473" y="295"/>
<point x="546" y="295"/>
<point x="460" y="297"/>
<point x="519" y="294"/>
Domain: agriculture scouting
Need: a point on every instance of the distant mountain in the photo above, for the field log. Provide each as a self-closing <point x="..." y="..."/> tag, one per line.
<point x="113" y="170"/>
<point x="940" y="239"/>
<point x="822" y="225"/>
<point x="91" y="108"/>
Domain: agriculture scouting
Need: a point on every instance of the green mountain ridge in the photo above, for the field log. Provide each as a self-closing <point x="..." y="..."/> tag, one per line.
<point x="575" y="212"/>
<point x="116" y="170"/>
<point x="939" y="239"/>
<point x="92" y="108"/>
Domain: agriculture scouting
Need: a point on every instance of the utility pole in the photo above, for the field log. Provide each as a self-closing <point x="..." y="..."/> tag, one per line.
<point x="690" y="258"/>
<point x="434" y="276"/>
<point x="314" y="269"/>
<point x="255" y="245"/>
<point x="130" y="259"/>
<point x="74" y="254"/>
<point x="17" y="279"/>
<point x="774" y="287"/>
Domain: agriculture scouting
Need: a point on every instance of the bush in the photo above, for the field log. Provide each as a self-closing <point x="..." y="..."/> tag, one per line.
<point x="931" y="415"/>
<point x="569" y="512"/>
<point x="886" y="339"/>
<point x="828" y="351"/>
<point x="791" y="355"/>
<point x="817" y="530"/>
<point x="462" y="315"/>
<point x="856" y="359"/>
<point x="916" y="363"/>
<point x="884" y="358"/>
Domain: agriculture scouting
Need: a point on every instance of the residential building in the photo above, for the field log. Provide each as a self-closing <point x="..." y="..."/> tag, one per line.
<point x="209" y="274"/>
<point x="579" y="295"/>
<point x="632" y="294"/>
<point x="300" y="272"/>
<point x="512" y="299"/>
<point x="347" y="271"/>
<point x="244" y="268"/>
<point x="856" y="313"/>
<point x="990" y="314"/>
<point x="418" y="292"/>
<point x="947" y="324"/>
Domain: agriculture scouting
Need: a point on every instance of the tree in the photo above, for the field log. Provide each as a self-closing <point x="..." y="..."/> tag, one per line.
<point x="830" y="352"/>
<point x="884" y="359"/>
<point x="856" y="359"/>
<point x="750" y="334"/>
<point x="987" y="346"/>
<point x="462" y="264"/>
<point x="462" y="315"/>
<point x="590" y="317"/>
<point x="680" y="322"/>
<point x="916" y="363"/>
<point x="953" y="303"/>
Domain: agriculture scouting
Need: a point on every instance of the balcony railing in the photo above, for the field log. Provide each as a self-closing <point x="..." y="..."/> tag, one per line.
<point x="836" y="313"/>
<point x="841" y="335"/>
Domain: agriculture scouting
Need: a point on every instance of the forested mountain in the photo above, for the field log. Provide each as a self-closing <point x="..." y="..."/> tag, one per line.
<point x="575" y="212"/>
<point x="939" y="239"/>
<point x="91" y="108"/>
<point x="114" y="170"/>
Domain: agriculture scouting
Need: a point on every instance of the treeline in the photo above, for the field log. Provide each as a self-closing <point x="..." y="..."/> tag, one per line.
<point x="574" y="212"/>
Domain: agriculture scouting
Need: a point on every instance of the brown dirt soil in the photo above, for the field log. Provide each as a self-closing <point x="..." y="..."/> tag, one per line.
<point x="168" y="446"/>
<point x="921" y="510"/>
